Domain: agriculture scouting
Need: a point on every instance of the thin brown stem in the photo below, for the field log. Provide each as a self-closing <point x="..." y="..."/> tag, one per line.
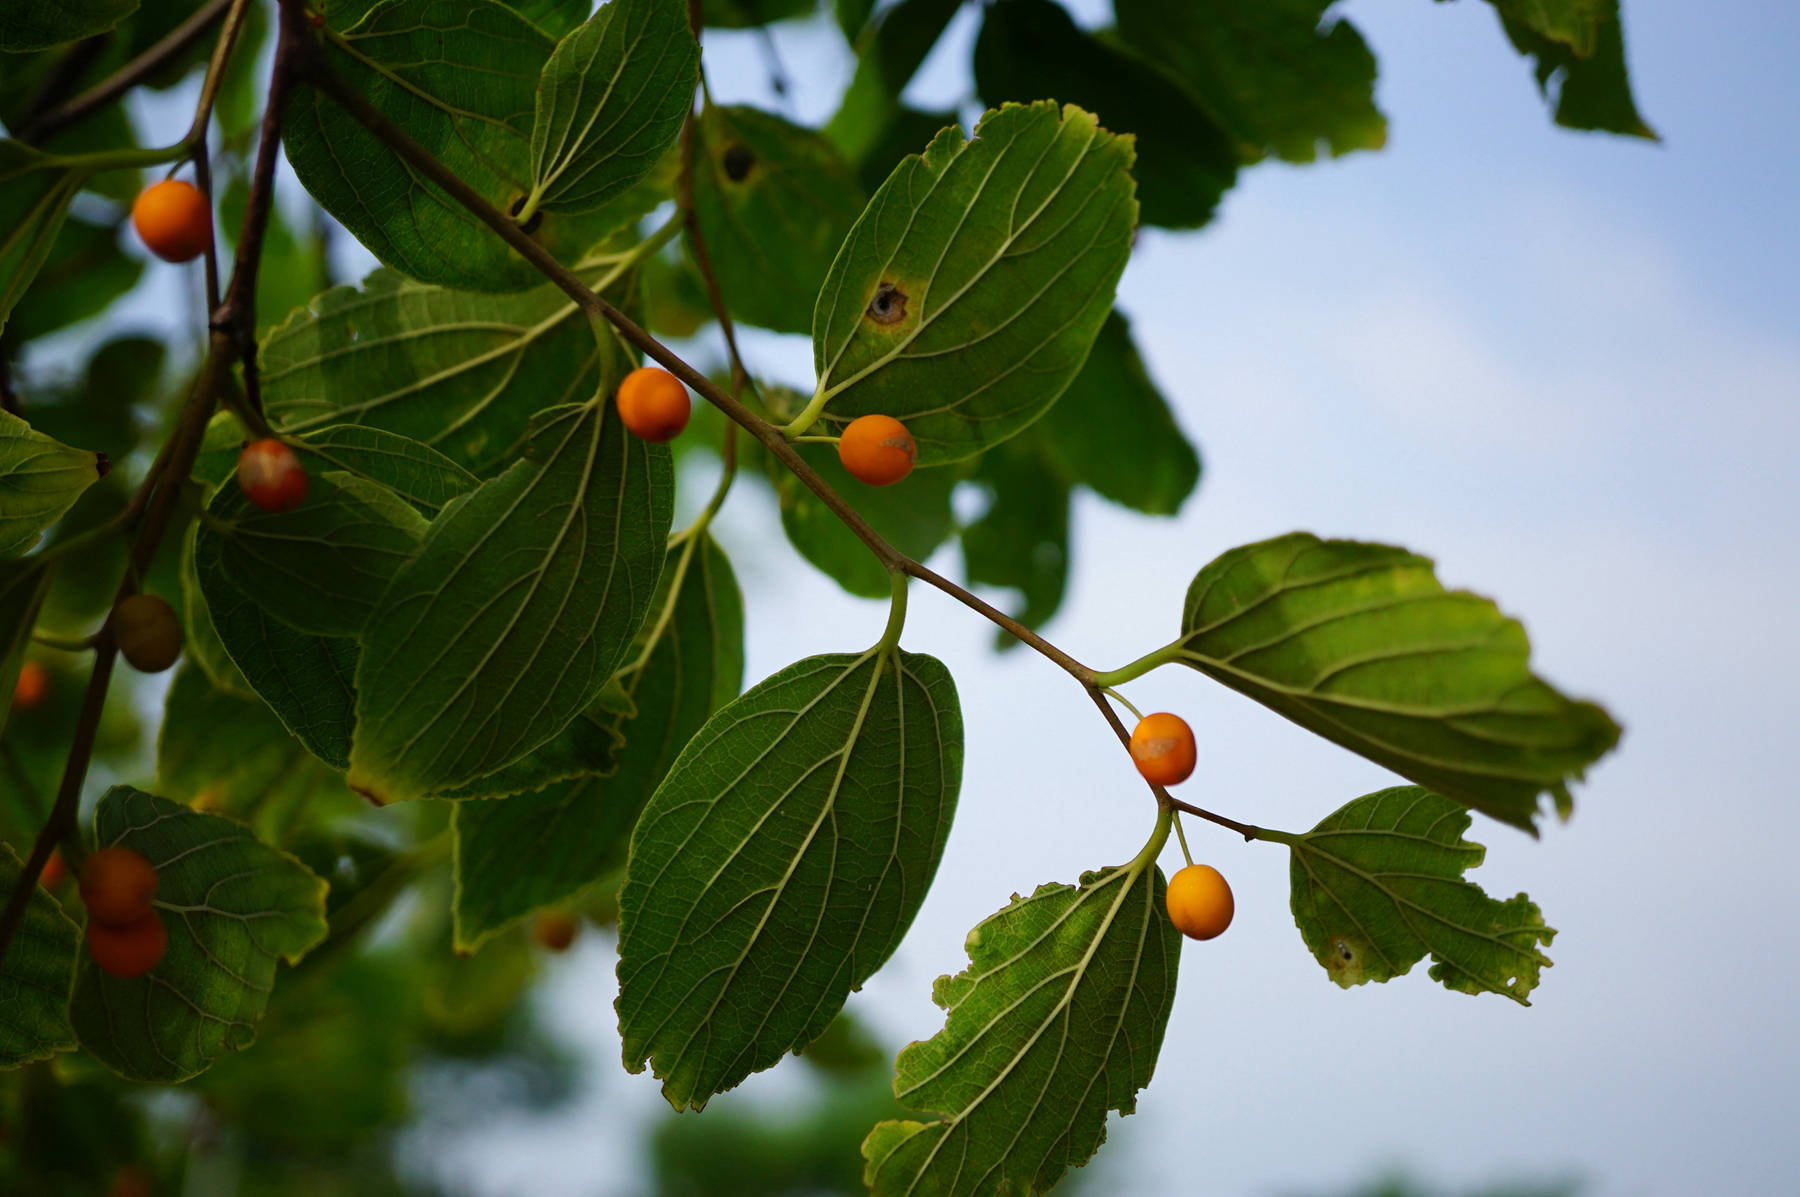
<point x="322" y="76"/>
<point x="157" y="501"/>
<point x="1163" y="796"/>
<point x="173" y="44"/>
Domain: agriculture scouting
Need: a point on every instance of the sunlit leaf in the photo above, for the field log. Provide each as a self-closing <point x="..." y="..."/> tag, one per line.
<point x="611" y="100"/>
<point x="233" y="907"/>
<point x="1277" y="74"/>
<point x="1361" y="644"/>
<point x="40" y="478"/>
<point x="1032" y="50"/>
<point x="968" y="294"/>
<point x="461" y="372"/>
<point x="1379" y="883"/>
<point x="577" y="831"/>
<point x="779" y="863"/>
<point x="1057" y="1020"/>
<point x="35" y="974"/>
<point x="516" y="610"/>
<point x="1579" y="48"/>
<point x="774" y="203"/>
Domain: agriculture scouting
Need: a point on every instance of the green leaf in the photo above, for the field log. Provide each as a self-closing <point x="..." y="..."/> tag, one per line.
<point x="23" y="585"/>
<point x="84" y="272"/>
<point x="1022" y="540"/>
<point x="747" y="14"/>
<point x="1057" y="1020"/>
<point x="306" y="680"/>
<point x="40" y="478"/>
<point x="232" y="906"/>
<point x="968" y="294"/>
<point x="1031" y="49"/>
<point x="577" y="831"/>
<point x="230" y="754"/>
<point x="555" y="17"/>
<point x="35" y="974"/>
<point x="610" y="101"/>
<point x="322" y="567"/>
<point x="1272" y="73"/>
<point x="779" y="863"/>
<point x="461" y="79"/>
<point x="774" y="202"/>
<point x="1361" y="644"/>
<point x="446" y="368"/>
<point x="887" y="58"/>
<point x="201" y="646"/>
<point x="1379" y="884"/>
<point x="35" y="190"/>
<point x="913" y="515"/>
<point x="517" y="608"/>
<point x="1579" y="46"/>
<point x="1112" y="430"/>
<point x="40" y="24"/>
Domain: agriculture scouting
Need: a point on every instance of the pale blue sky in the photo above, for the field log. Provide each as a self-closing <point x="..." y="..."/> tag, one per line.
<point x="1566" y="366"/>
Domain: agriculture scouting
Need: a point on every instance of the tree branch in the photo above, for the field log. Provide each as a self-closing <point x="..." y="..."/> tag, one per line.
<point x="157" y="499"/>
<point x="172" y="46"/>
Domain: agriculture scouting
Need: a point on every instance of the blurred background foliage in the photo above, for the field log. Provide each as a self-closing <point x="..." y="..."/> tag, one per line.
<point x="384" y="1036"/>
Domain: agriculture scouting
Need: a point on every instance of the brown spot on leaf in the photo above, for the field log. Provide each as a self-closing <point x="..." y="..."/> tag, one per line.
<point x="374" y="798"/>
<point x="888" y="306"/>
<point x="102" y="465"/>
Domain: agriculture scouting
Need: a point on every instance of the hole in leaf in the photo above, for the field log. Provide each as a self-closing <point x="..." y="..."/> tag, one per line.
<point x="888" y="306"/>
<point x="738" y="161"/>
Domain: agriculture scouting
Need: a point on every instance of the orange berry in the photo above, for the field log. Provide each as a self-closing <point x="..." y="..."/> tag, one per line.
<point x="1199" y="902"/>
<point x="55" y="871"/>
<point x="130" y="949"/>
<point x="116" y="887"/>
<point x="1162" y="745"/>
<point x="555" y="929"/>
<point x="271" y="476"/>
<point x="147" y="632"/>
<point x="654" y="404"/>
<point x="174" y="220"/>
<point x="877" y="450"/>
<point x="32" y="686"/>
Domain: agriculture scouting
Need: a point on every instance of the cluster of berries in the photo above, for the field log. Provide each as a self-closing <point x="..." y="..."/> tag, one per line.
<point x="1199" y="900"/>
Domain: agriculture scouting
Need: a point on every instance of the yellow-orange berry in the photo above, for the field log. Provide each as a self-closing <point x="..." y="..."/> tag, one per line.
<point x="1162" y="745"/>
<point x="270" y="476"/>
<point x="147" y="632"/>
<point x="877" y="450"/>
<point x="174" y="220"/>
<point x="555" y="929"/>
<point x="129" y="949"/>
<point x="654" y="404"/>
<point x="1199" y="902"/>
<point x="116" y="886"/>
<point x="55" y="871"/>
<point x="31" y="688"/>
